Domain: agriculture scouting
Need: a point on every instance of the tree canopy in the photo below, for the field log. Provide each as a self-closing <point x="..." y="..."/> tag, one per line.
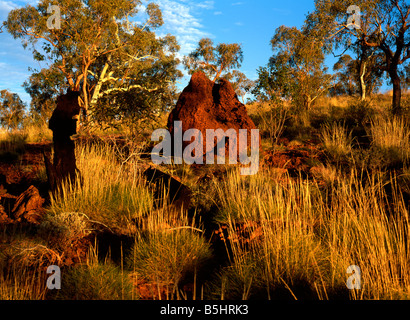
<point x="101" y="52"/>
<point x="214" y="61"/>
<point x="296" y="70"/>
<point x="382" y="25"/>
<point x="11" y="109"/>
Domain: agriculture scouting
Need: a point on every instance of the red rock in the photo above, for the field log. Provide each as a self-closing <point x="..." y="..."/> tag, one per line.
<point x="28" y="206"/>
<point x="4" y="218"/>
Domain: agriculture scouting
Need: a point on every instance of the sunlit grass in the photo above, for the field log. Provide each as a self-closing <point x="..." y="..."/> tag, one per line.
<point x="106" y="192"/>
<point x="391" y="136"/>
<point x="299" y="242"/>
<point x="337" y="141"/>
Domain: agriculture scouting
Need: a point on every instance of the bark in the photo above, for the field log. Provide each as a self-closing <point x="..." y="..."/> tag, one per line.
<point x="395" y="79"/>
<point x="362" y="81"/>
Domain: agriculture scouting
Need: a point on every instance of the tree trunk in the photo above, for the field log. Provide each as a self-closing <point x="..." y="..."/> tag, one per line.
<point x="362" y="82"/>
<point x="395" y="79"/>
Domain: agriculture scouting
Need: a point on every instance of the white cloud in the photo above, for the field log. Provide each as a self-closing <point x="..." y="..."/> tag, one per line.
<point x="206" y="5"/>
<point x="237" y="3"/>
<point x="5" y="8"/>
<point x="181" y="19"/>
<point x="217" y="13"/>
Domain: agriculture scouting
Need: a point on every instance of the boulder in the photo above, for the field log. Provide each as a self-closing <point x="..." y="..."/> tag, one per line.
<point x="179" y="195"/>
<point x="204" y="105"/>
<point x="4" y="218"/>
<point x="28" y="206"/>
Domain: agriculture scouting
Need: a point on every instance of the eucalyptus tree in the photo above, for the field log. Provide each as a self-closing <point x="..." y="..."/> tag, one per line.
<point x="296" y="69"/>
<point x="381" y="25"/>
<point x="215" y="61"/>
<point x="115" y="62"/>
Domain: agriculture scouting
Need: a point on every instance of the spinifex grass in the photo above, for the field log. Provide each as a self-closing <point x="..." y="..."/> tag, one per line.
<point x="337" y="141"/>
<point x="392" y="137"/>
<point x="168" y="249"/>
<point x="22" y="283"/>
<point x="108" y="192"/>
<point x="301" y="242"/>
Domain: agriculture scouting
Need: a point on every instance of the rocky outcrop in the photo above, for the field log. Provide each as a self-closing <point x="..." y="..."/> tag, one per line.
<point x="28" y="206"/>
<point x="179" y="195"/>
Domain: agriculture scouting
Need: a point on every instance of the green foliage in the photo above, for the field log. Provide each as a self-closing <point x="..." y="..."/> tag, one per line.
<point x="296" y="71"/>
<point x="214" y="61"/>
<point x="240" y="83"/>
<point x="121" y="67"/>
<point x="43" y="87"/>
<point x="11" y="109"/>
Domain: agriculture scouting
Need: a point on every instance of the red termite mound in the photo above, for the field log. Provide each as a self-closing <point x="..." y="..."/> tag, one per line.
<point x="63" y="123"/>
<point x="204" y="105"/>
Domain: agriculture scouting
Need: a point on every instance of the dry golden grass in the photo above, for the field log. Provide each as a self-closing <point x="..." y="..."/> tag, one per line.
<point x="303" y="242"/>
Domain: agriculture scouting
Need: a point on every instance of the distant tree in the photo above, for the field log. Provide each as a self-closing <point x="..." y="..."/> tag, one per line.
<point x="272" y="83"/>
<point x="101" y="53"/>
<point x="360" y="76"/>
<point x="12" y="109"/>
<point x="214" y="61"/>
<point x="346" y="81"/>
<point x="296" y="70"/>
<point x="43" y="87"/>
<point x="381" y="25"/>
<point x="240" y="83"/>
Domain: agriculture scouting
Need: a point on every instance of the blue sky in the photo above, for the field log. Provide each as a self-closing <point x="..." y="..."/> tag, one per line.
<point x="250" y="23"/>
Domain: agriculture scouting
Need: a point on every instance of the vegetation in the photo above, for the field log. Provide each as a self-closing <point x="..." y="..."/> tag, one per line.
<point x="11" y="109"/>
<point x="137" y="68"/>
<point x="332" y="189"/>
<point x="214" y="61"/>
<point x="383" y="28"/>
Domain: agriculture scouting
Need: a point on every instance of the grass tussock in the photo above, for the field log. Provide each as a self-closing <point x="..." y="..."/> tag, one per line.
<point x="289" y="232"/>
<point x="107" y="192"/>
<point x="337" y="141"/>
<point x="299" y="242"/>
<point x="391" y="137"/>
